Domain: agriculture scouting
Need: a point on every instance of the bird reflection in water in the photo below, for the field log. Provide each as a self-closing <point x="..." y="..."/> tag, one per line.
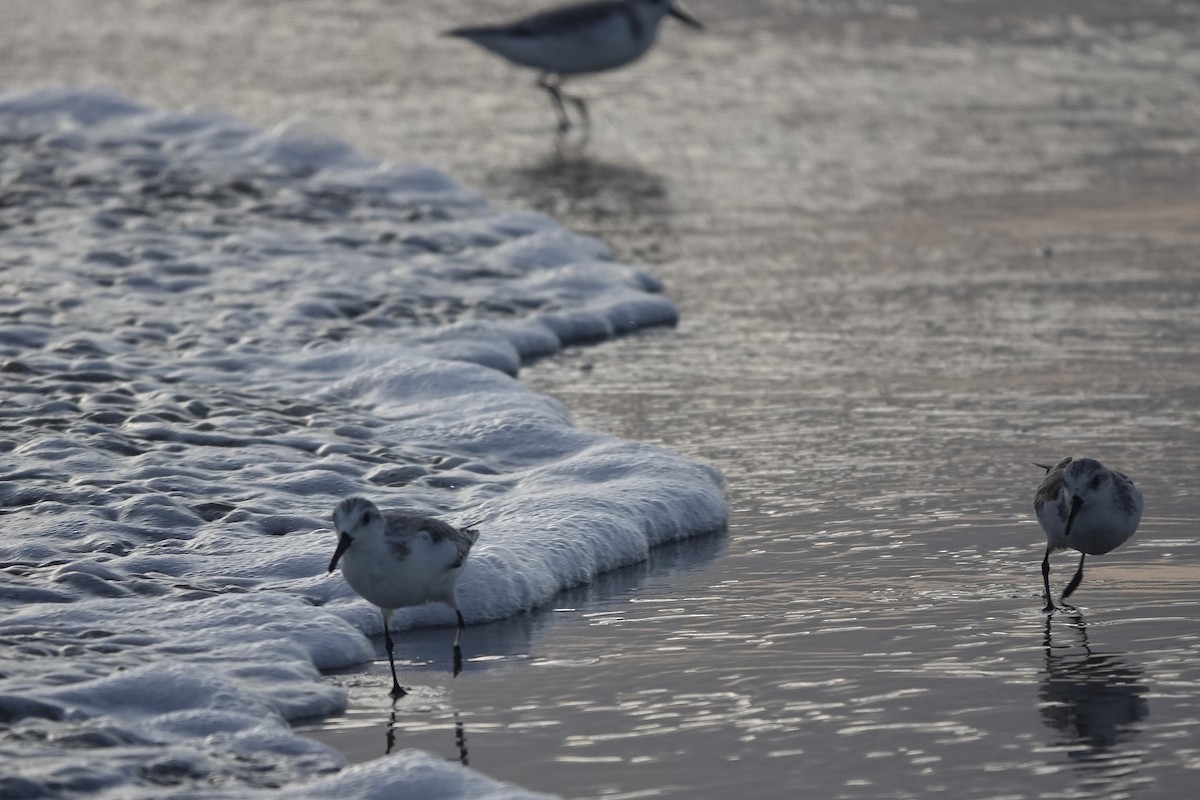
<point x="590" y="195"/>
<point x="1095" y="700"/>
<point x="460" y="737"/>
<point x="589" y="192"/>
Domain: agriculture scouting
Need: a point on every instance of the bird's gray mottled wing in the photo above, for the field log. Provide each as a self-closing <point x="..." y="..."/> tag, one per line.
<point x="1050" y="487"/>
<point x="402" y="525"/>
<point x="1122" y="492"/>
<point x="554" y="22"/>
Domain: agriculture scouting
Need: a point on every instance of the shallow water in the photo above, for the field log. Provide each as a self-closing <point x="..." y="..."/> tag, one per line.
<point x="916" y="248"/>
<point x="871" y="626"/>
<point x="875" y="385"/>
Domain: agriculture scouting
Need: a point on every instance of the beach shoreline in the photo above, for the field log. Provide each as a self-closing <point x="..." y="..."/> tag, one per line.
<point x="915" y="247"/>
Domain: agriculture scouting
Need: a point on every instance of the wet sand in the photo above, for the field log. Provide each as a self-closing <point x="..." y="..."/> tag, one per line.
<point x="917" y="247"/>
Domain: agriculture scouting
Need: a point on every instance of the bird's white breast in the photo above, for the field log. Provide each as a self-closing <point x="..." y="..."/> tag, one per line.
<point x="374" y="569"/>
<point x="1100" y="526"/>
<point x="1096" y="532"/>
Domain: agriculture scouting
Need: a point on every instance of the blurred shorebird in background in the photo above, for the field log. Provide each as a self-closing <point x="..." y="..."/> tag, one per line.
<point x="575" y="40"/>
<point x="1083" y="505"/>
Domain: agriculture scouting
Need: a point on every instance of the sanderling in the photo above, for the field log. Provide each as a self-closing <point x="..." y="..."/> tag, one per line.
<point x="1085" y="506"/>
<point x="395" y="559"/>
<point x="577" y="39"/>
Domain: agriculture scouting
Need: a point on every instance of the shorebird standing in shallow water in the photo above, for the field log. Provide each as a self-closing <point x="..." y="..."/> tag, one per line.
<point x="575" y="40"/>
<point x="395" y="559"/>
<point x="1085" y="506"/>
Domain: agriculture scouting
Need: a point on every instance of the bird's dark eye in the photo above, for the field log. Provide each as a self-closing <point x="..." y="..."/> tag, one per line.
<point x="1096" y="482"/>
<point x="366" y="517"/>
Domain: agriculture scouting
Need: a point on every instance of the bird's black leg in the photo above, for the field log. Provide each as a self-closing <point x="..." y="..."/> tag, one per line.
<point x="1046" y="581"/>
<point x="462" y="623"/>
<point x="556" y="97"/>
<point x="1075" y="581"/>
<point x="581" y="105"/>
<point x="397" y="689"/>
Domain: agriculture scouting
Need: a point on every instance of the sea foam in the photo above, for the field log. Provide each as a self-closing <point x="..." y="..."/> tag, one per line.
<point x="210" y="334"/>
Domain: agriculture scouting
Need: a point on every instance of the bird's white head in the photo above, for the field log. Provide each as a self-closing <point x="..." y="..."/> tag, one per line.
<point x="353" y="518"/>
<point x="1084" y="477"/>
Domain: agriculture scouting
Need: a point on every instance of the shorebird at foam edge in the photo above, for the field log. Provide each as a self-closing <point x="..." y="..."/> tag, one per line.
<point x="1083" y="505"/>
<point x="394" y="559"/>
<point x="575" y="40"/>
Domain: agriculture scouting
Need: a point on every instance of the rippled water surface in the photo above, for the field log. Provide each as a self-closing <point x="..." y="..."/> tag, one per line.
<point x="917" y="247"/>
<point x="870" y="627"/>
<point x="874" y="359"/>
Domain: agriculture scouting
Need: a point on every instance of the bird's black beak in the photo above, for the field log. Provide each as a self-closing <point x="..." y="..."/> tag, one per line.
<point x="684" y="17"/>
<point x="343" y="543"/>
<point x="1076" y="504"/>
<point x="1043" y="466"/>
